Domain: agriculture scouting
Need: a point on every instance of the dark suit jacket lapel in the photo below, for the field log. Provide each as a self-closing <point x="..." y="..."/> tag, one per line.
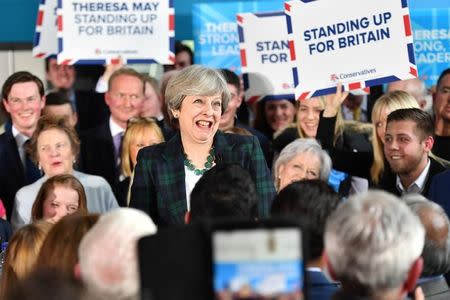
<point x="172" y="173"/>
<point x="13" y="160"/>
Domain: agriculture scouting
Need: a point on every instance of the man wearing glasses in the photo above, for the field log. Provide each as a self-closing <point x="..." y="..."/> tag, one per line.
<point x="101" y="146"/>
<point x="23" y="99"/>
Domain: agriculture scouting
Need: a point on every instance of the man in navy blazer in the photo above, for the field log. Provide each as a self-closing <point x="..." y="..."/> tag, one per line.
<point x="100" y="146"/>
<point x="311" y="201"/>
<point x="440" y="190"/>
<point x="407" y="145"/>
<point x="23" y="98"/>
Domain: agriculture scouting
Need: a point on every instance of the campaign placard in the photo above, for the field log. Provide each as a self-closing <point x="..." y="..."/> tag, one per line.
<point x="431" y="42"/>
<point x="358" y="45"/>
<point x="215" y="31"/>
<point x="44" y="41"/>
<point x="265" y="56"/>
<point x="98" y="32"/>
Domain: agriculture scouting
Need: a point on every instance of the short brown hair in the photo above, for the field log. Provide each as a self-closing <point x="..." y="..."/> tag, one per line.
<point x="422" y="119"/>
<point x="19" y="77"/>
<point x="66" y="180"/>
<point x="48" y="122"/>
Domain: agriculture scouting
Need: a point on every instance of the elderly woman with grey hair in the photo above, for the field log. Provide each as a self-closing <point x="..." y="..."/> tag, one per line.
<point x="301" y="159"/>
<point x="166" y="173"/>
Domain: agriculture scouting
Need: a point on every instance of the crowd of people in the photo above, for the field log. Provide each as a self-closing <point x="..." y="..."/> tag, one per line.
<point x="85" y="175"/>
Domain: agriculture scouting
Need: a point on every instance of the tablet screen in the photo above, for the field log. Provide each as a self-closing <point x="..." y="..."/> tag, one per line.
<point x="258" y="264"/>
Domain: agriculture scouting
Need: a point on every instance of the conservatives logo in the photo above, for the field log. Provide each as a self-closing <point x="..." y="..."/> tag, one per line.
<point x="334" y="77"/>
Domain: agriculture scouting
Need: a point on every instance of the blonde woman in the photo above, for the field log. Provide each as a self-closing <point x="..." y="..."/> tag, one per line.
<point x="366" y="164"/>
<point x="140" y="133"/>
<point x="307" y="124"/>
<point x="21" y="255"/>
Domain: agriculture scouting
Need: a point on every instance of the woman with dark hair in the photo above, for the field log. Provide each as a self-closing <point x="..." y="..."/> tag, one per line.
<point x="274" y="115"/>
<point x="60" y="195"/>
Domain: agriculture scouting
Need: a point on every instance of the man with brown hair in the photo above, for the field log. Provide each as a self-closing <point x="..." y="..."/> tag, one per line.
<point x="23" y="99"/>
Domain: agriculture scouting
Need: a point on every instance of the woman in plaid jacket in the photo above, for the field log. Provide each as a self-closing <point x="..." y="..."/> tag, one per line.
<point x="166" y="173"/>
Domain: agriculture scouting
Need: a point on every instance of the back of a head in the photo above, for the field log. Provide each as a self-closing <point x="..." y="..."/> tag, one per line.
<point x="60" y="247"/>
<point x="108" y="253"/>
<point x="372" y="241"/>
<point x="224" y="191"/>
<point x="21" y="254"/>
<point x="436" y="252"/>
<point x="48" y="284"/>
<point x="311" y="201"/>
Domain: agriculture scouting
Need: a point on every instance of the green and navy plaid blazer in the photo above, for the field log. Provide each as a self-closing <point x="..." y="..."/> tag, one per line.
<point x="159" y="181"/>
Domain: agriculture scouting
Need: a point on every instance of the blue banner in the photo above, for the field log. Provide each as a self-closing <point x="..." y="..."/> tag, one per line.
<point x="215" y="31"/>
<point x="431" y="29"/>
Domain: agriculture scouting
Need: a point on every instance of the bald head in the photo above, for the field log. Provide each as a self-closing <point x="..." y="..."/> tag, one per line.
<point x="415" y="87"/>
<point x="436" y="252"/>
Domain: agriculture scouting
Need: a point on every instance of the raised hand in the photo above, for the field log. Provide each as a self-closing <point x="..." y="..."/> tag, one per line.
<point x="334" y="101"/>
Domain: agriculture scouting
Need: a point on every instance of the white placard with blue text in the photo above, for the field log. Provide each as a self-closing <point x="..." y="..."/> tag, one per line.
<point x="99" y="32"/>
<point x="44" y="41"/>
<point x="215" y="30"/>
<point x="358" y="45"/>
<point x="265" y="56"/>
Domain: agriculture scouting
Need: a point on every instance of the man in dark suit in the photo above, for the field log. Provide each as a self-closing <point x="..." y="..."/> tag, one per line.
<point x="436" y="252"/>
<point x="101" y="146"/>
<point x="23" y="98"/>
<point x="89" y="106"/>
<point x="311" y="201"/>
<point x="408" y="143"/>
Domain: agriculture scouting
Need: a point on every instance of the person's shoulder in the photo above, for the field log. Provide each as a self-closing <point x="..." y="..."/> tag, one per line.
<point x="25" y="192"/>
<point x="234" y="139"/>
<point x="5" y="137"/>
<point x="88" y="180"/>
<point x="285" y="137"/>
<point x="442" y="177"/>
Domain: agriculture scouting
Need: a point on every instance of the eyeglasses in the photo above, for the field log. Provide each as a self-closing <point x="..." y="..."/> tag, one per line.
<point x="16" y="102"/>
<point x="123" y="97"/>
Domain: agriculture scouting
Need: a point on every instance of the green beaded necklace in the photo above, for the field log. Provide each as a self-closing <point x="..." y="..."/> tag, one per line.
<point x="208" y="164"/>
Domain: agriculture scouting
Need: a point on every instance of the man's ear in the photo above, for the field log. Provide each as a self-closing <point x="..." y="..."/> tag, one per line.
<point x="429" y="142"/>
<point x="77" y="271"/>
<point x="187" y="218"/>
<point x="413" y="275"/>
<point x="328" y="265"/>
<point x="107" y="98"/>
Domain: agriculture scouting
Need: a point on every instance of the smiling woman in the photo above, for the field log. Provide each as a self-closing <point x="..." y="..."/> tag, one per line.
<point x="166" y="173"/>
<point x="54" y="147"/>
